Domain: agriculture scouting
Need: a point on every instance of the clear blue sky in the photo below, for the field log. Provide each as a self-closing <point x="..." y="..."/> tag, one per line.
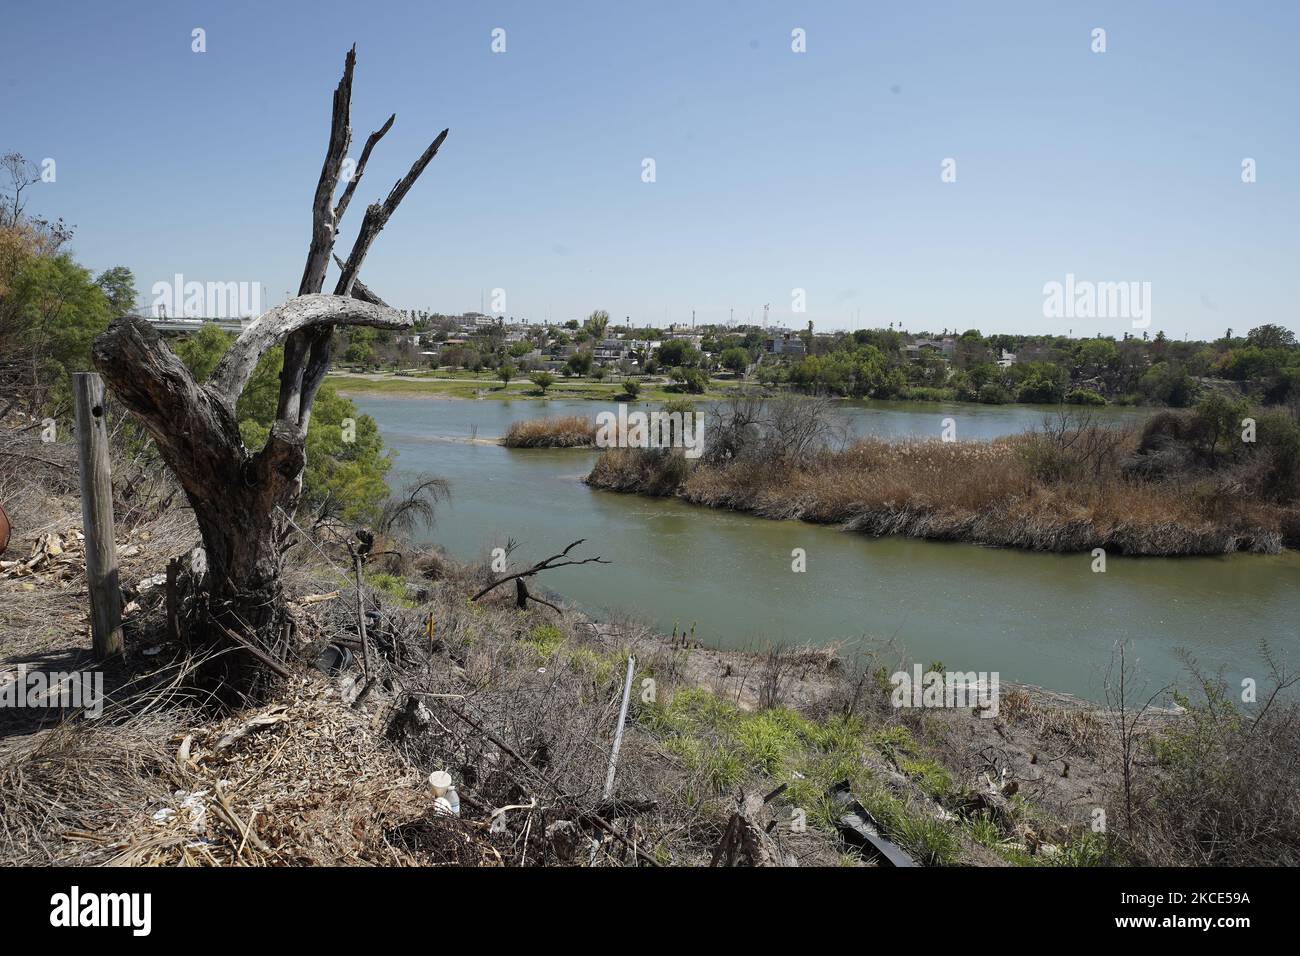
<point x="775" y="170"/>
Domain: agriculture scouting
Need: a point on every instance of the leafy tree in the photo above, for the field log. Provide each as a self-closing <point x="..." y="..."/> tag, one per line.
<point x="579" y="363"/>
<point x="360" y="350"/>
<point x="1037" y="389"/>
<point x="505" y="372"/>
<point x="203" y="350"/>
<point x="678" y="352"/>
<point x="972" y="381"/>
<point x="1168" y="383"/>
<point x="991" y="393"/>
<point x="343" y="477"/>
<point x="543" y="380"/>
<point x="735" y="360"/>
<point x="596" y="324"/>
<point x="1270" y="337"/>
<point x="118" y="286"/>
<point x="1220" y="418"/>
<point x="1040" y="382"/>
<point x="1095" y="356"/>
<point x="690" y="380"/>
<point x="1084" y="396"/>
<point x="58" y="311"/>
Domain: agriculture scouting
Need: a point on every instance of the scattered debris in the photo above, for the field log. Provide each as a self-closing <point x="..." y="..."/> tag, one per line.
<point x="334" y="659"/>
<point x="269" y="718"/>
<point x="59" y="556"/>
<point x="745" y="842"/>
<point x="860" y="829"/>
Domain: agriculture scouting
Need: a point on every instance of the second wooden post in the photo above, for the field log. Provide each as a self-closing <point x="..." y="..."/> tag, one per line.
<point x="97" y="516"/>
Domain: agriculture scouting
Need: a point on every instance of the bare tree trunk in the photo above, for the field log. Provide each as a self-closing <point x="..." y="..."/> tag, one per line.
<point x="236" y="493"/>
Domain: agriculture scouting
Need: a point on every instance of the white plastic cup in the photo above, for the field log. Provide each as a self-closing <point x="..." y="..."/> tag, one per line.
<point x="440" y="781"/>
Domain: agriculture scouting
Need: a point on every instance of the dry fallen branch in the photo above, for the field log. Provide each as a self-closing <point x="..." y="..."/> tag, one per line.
<point x="522" y="597"/>
<point x="592" y="818"/>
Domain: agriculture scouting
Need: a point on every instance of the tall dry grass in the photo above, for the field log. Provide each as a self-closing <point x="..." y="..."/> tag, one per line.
<point x="571" y="431"/>
<point x="1071" y="486"/>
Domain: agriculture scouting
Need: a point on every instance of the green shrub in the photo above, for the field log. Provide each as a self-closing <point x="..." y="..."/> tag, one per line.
<point x="991" y="393"/>
<point x="690" y="380"/>
<point x="927" y="393"/>
<point x="1084" y="396"/>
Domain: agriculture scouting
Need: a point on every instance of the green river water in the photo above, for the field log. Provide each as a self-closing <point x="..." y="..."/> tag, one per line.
<point x="1043" y="619"/>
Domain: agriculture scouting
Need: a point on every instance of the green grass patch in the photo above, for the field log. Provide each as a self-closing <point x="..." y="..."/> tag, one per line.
<point x="389" y="584"/>
<point x="898" y="745"/>
<point x="545" y="639"/>
<point x="467" y="385"/>
<point x="930" y="841"/>
<point x="603" y="669"/>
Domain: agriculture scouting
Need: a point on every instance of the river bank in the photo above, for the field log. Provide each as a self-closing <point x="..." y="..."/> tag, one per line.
<point x="461" y="385"/>
<point x="488" y="388"/>
<point x="332" y="768"/>
<point x="1040" y="618"/>
<point x="315" y="773"/>
<point x="1164" y="489"/>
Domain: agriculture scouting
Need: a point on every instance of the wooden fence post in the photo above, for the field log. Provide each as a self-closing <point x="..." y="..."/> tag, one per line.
<point x="97" y="516"/>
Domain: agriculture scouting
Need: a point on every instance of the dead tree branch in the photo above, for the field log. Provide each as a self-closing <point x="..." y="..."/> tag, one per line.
<point x="342" y="206"/>
<point x="305" y="312"/>
<point x="378" y="214"/>
<point x="546" y="564"/>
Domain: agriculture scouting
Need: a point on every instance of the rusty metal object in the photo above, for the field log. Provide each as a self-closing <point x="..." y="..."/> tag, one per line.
<point x="5" y="529"/>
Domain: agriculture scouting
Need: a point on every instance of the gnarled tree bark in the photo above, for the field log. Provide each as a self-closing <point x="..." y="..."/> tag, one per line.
<point x="235" y="492"/>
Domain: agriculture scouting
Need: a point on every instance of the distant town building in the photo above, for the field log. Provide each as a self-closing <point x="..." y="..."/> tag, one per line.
<point x="944" y="348"/>
<point x="787" y="343"/>
<point x="609" y="350"/>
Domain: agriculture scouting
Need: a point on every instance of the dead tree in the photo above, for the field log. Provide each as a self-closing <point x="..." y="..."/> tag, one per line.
<point x="238" y="494"/>
<point x="745" y="842"/>
<point x="522" y="597"/>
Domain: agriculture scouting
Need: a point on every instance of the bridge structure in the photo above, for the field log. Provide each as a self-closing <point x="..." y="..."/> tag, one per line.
<point x="170" y="326"/>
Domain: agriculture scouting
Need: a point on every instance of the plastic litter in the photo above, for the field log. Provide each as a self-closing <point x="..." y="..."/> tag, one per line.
<point x="445" y="798"/>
